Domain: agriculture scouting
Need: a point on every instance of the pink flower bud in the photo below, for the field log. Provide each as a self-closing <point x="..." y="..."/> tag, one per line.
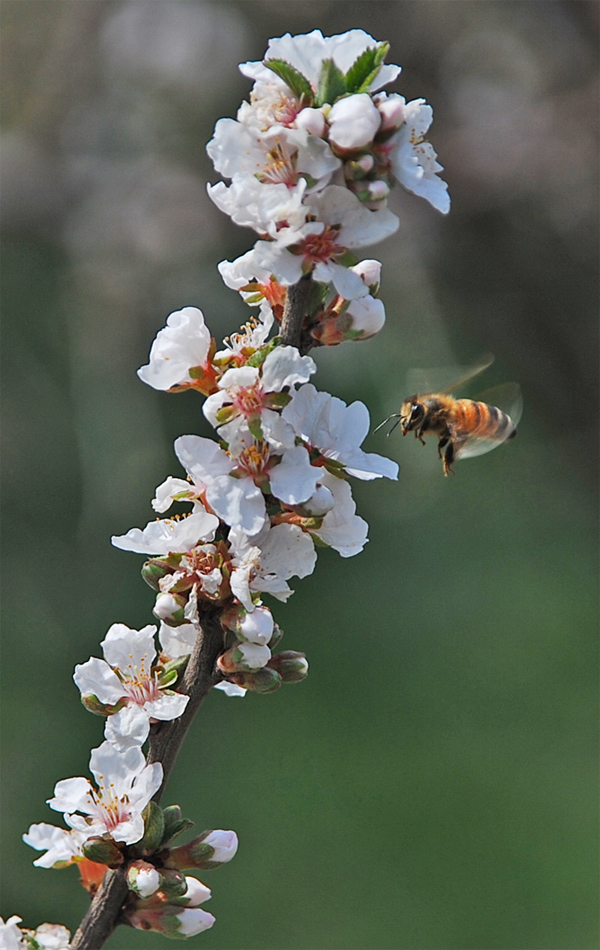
<point x="225" y="844"/>
<point x="192" y="921"/>
<point x="196" y="893"/>
<point x="311" y="120"/>
<point x="392" y="111"/>
<point x="353" y="122"/>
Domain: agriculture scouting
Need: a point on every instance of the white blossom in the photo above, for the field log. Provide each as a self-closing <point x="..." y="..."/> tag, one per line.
<point x="193" y="920"/>
<point x="264" y="563"/>
<point x="342" y="529"/>
<point x="230" y="689"/>
<point x="125" y="675"/>
<point x="11" y="937"/>
<point x="342" y="222"/>
<point x="125" y="786"/>
<point x="246" y="394"/>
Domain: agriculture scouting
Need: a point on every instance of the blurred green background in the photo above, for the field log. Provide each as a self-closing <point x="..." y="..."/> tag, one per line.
<point x="433" y="783"/>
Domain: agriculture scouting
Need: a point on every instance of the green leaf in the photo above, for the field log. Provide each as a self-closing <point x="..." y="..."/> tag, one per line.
<point x="293" y="78"/>
<point x="364" y="69"/>
<point x="332" y="84"/>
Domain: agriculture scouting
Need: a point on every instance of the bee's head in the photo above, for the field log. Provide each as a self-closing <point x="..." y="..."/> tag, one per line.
<point x="412" y="414"/>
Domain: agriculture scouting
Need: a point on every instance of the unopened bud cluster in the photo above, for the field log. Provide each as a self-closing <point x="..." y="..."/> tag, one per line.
<point x="249" y="662"/>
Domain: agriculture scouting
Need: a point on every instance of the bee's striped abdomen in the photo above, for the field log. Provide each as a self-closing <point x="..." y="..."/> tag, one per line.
<point x="478" y="420"/>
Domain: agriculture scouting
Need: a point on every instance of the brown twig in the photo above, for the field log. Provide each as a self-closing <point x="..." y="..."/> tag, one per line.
<point x="295" y="313"/>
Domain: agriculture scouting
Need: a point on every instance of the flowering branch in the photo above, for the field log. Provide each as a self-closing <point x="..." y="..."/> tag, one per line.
<point x="311" y="160"/>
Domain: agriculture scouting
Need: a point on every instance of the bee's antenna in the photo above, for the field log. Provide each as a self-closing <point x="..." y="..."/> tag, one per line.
<point x="394" y="415"/>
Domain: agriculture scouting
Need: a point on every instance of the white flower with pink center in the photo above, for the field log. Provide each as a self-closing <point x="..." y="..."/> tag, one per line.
<point x="341" y="223"/>
<point x="233" y="485"/>
<point x="125" y="675"/>
<point x="264" y="563"/>
<point x="249" y="396"/>
<point x="278" y="156"/>
<point x="327" y="425"/>
<point x="125" y="786"/>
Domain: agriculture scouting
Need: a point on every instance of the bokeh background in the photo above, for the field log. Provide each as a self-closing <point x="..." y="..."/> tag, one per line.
<point x="433" y="783"/>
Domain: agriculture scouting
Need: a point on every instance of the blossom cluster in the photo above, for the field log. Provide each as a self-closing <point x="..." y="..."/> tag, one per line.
<point x="311" y="160"/>
<point x="260" y="500"/>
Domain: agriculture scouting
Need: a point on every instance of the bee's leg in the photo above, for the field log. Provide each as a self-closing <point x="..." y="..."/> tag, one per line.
<point x="419" y="432"/>
<point x="441" y="445"/>
<point x="448" y="459"/>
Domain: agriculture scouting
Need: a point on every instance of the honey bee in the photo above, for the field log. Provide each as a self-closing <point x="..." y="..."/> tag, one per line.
<point x="464" y="427"/>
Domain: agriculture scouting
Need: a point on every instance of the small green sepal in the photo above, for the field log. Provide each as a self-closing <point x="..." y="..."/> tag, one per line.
<point x="154" y="828"/>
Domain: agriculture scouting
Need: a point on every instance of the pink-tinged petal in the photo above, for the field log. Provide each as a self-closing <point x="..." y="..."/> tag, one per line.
<point x="225" y="844"/>
<point x="97" y="678"/>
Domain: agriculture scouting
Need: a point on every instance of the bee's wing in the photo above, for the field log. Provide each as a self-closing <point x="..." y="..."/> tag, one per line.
<point x="509" y="400"/>
<point x="445" y="380"/>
